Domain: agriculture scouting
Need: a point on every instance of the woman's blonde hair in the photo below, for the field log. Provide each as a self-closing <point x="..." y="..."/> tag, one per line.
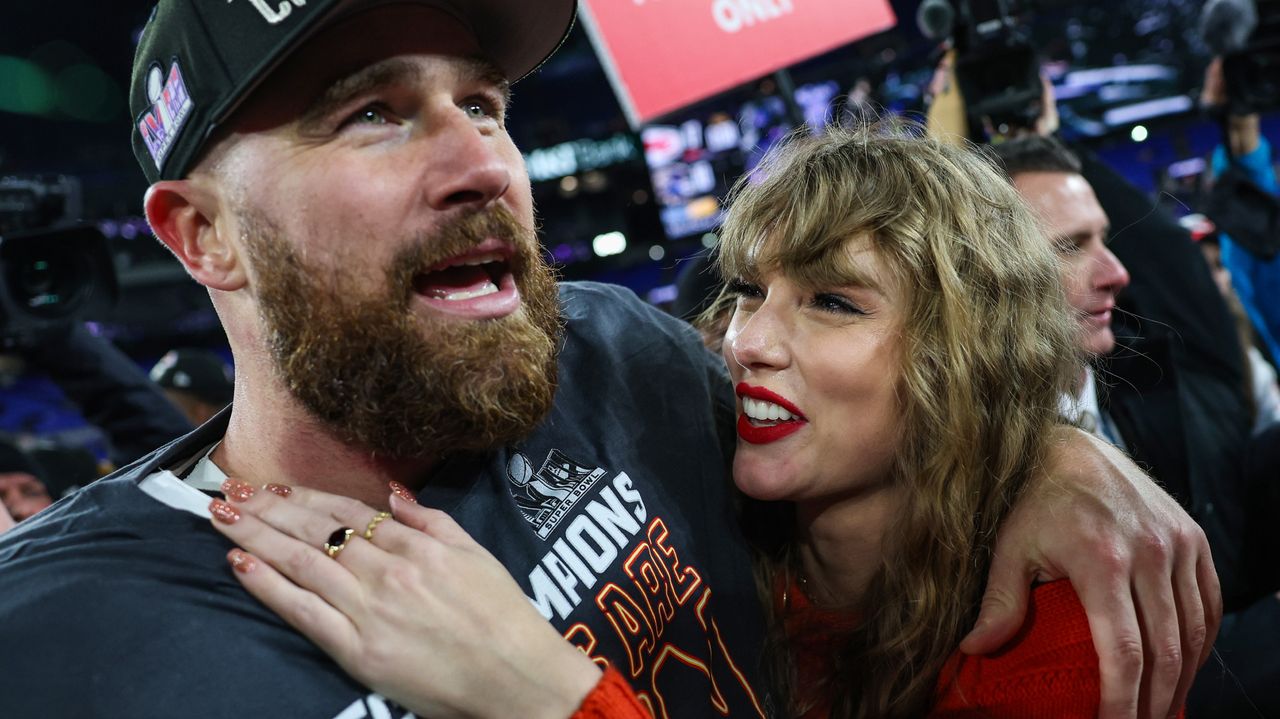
<point x="987" y="349"/>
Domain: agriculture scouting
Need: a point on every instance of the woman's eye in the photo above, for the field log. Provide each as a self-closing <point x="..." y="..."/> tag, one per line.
<point x="744" y="289"/>
<point x="835" y="304"/>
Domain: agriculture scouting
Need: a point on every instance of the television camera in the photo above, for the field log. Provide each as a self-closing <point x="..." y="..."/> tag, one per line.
<point x="996" y="66"/>
<point x="53" y="271"/>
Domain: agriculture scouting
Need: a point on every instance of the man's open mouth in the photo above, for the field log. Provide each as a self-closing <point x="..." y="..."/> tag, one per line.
<point x="468" y="279"/>
<point x="477" y="284"/>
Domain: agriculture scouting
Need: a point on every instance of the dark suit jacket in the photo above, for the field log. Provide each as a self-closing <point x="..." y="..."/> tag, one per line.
<point x="1175" y="390"/>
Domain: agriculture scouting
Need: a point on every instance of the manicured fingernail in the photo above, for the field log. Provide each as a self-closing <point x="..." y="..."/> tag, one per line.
<point x="241" y="561"/>
<point x="224" y="512"/>
<point x="403" y="492"/>
<point x="236" y="490"/>
<point x="283" y="490"/>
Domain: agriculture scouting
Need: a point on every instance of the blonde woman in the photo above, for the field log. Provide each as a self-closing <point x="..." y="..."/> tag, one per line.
<point x="899" y="343"/>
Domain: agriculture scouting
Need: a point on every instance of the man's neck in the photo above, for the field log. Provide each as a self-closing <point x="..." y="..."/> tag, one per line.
<point x="1082" y="380"/>
<point x="278" y="441"/>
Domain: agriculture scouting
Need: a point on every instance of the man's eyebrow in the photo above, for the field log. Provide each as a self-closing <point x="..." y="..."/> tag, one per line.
<point x="395" y="71"/>
<point x="383" y="74"/>
<point x="478" y="69"/>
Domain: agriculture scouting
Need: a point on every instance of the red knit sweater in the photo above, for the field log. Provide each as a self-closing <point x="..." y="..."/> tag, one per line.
<point x="1048" y="671"/>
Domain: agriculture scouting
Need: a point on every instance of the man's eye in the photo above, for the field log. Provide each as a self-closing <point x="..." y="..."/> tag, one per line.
<point x="1066" y="247"/>
<point x="371" y="115"/>
<point x="478" y="110"/>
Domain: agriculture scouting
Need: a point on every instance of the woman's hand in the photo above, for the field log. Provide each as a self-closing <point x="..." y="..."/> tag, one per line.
<point x="1140" y="565"/>
<point x="420" y="612"/>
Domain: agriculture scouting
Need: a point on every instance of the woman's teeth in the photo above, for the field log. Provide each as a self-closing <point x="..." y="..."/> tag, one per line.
<point x="763" y="411"/>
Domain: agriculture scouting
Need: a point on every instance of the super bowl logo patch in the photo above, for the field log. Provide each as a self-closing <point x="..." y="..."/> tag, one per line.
<point x="546" y="496"/>
<point x="170" y="109"/>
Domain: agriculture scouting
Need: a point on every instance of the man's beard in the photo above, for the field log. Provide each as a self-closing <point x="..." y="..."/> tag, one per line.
<point x="379" y="374"/>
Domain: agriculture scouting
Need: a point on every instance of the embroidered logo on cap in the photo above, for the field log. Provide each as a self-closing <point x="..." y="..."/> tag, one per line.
<point x="171" y="107"/>
<point x="281" y="12"/>
<point x="166" y="362"/>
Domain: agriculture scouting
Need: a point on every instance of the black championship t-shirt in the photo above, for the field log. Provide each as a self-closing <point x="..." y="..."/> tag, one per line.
<point x="614" y="517"/>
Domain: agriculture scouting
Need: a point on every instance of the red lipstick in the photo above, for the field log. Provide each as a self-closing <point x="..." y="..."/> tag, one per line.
<point x="764" y="434"/>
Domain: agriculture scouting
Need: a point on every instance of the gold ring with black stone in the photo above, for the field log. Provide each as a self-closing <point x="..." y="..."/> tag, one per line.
<point x="337" y="541"/>
<point x="378" y="518"/>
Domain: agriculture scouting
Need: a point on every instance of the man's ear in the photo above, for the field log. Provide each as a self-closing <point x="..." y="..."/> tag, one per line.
<point x="183" y="216"/>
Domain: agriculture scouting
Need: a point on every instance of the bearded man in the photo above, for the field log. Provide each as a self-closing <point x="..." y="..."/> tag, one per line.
<point x="339" y="176"/>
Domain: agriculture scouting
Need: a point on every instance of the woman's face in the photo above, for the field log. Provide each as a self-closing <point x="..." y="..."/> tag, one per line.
<point x="815" y="371"/>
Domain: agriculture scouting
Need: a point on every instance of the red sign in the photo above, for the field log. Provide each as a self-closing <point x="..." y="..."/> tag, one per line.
<point x="664" y="54"/>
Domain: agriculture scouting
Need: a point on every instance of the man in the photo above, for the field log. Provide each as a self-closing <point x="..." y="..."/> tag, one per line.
<point x="339" y="176"/>
<point x="1152" y="402"/>
<point x="22" y="493"/>
<point x="1047" y="175"/>
<point x="196" y="381"/>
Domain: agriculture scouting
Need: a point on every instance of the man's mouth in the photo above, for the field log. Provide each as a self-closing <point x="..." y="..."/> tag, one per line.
<point x="468" y="279"/>
<point x="477" y="284"/>
<point x="1100" y="315"/>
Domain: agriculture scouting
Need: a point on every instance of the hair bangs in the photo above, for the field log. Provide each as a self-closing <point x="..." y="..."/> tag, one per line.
<point x="799" y="214"/>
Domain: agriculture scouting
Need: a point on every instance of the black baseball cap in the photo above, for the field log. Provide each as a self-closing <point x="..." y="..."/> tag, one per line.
<point x="198" y="371"/>
<point x="198" y="60"/>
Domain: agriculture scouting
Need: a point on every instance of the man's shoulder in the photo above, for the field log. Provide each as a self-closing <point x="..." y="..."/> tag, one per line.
<point x="613" y="339"/>
<point x="127" y="608"/>
<point x="111" y="533"/>
<point x="616" y="313"/>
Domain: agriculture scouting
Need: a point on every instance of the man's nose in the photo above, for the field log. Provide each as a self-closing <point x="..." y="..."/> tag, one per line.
<point x="1111" y="272"/>
<point x="467" y="167"/>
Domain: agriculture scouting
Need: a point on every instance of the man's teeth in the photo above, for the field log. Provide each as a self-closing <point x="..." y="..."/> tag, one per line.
<point x="487" y="288"/>
<point x="763" y="411"/>
<point x="474" y="261"/>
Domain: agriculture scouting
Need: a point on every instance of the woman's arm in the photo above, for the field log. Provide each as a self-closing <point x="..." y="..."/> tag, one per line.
<point x="1141" y="566"/>
<point x="1048" y="671"/>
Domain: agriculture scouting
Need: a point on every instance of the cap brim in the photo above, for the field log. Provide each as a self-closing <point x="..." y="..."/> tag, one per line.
<point x="518" y="36"/>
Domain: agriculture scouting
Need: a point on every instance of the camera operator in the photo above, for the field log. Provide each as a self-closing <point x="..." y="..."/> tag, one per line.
<point x="56" y="272"/>
<point x="110" y="390"/>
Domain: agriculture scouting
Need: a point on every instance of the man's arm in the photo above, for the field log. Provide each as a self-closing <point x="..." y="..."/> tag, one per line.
<point x="1140" y="565"/>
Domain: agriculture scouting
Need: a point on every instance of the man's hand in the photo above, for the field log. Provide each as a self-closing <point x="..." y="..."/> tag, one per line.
<point x="945" y="118"/>
<point x="1140" y="565"/>
<point x="6" y="521"/>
